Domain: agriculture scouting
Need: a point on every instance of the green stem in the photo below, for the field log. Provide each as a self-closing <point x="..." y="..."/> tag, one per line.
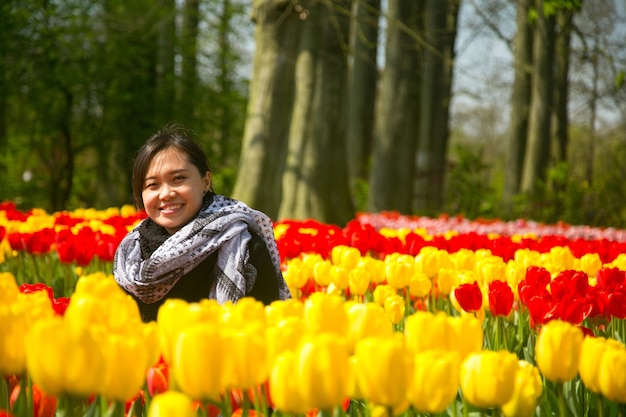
<point x="561" y="394"/>
<point x="501" y="322"/>
<point x="24" y="403"/>
<point x="4" y="394"/>
<point x="600" y="405"/>
<point x="70" y="406"/>
<point x="116" y="409"/>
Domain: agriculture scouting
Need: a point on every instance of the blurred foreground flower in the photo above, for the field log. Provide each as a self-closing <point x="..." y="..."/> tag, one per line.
<point x="487" y="378"/>
<point x="558" y="350"/>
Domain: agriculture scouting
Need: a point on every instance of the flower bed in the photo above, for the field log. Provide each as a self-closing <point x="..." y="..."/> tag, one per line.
<point x="392" y="315"/>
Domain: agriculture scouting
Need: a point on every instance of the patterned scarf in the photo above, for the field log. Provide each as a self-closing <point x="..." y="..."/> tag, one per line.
<point x="222" y="225"/>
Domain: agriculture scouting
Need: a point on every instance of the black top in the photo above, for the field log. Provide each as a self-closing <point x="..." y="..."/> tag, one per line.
<point x="195" y="286"/>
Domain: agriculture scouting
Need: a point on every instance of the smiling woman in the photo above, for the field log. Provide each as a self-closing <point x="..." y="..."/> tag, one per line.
<point x="195" y="244"/>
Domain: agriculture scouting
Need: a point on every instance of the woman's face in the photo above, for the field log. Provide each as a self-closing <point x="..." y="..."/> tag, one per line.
<point x="173" y="189"/>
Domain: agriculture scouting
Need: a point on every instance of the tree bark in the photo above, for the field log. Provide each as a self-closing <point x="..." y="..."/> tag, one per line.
<point x="166" y="91"/>
<point x="564" y="25"/>
<point x="396" y="131"/>
<point x="189" y="70"/>
<point x="435" y="94"/>
<point x="520" y="104"/>
<point x="538" y="146"/>
<point x="266" y="132"/>
<point x="363" y="77"/>
<point x="315" y="180"/>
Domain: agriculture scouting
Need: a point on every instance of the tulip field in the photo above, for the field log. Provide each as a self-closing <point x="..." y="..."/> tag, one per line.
<point x="391" y="315"/>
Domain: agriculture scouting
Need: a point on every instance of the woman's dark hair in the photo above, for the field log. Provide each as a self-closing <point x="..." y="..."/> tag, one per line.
<point x="169" y="136"/>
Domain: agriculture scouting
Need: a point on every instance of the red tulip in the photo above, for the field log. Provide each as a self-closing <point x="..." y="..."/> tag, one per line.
<point x="500" y="298"/>
<point x="541" y="310"/>
<point x="44" y="405"/>
<point x="469" y="296"/>
<point x="616" y="303"/>
<point x="156" y="380"/>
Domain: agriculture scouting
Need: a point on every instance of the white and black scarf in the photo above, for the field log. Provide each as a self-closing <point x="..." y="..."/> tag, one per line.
<point x="224" y="226"/>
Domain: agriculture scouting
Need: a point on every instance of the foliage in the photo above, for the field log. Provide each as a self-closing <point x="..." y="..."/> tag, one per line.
<point x="468" y="189"/>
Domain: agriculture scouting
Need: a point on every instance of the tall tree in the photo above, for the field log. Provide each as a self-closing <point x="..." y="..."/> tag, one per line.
<point x="189" y="58"/>
<point x="362" y="84"/>
<point x="396" y="131"/>
<point x="435" y="94"/>
<point x="127" y="80"/>
<point x="520" y="103"/>
<point x="266" y="133"/>
<point x="564" y="21"/>
<point x="166" y="55"/>
<point x="538" y="146"/>
<point x="315" y="179"/>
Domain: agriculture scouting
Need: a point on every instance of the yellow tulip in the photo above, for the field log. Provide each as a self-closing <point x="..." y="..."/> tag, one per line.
<point x="125" y="367"/>
<point x="321" y="273"/>
<point x="323" y="372"/>
<point x="447" y="279"/>
<point x="399" y="273"/>
<point x="464" y="259"/>
<point x="339" y="277"/>
<point x="326" y="313"/>
<point x="590" y="263"/>
<point x="435" y="380"/>
<point x="612" y="377"/>
<point x="526" y="392"/>
<point x="381" y="292"/>
<point x="420" y="285"/>
<point x="99" y="301"/>
<point x="360" y="278"/>
<point x="175" y="314"/>
<point x="487" y="378"/>
<point x="171" y="403"/>
<point x="426" y="331"/>
<point x="283" y="336"/>
<point x="246" y="364"/>
<point x="79" y="373"/>
<point x="8" y="288"/>
<point x="286" y="395"/>
<point x="591" y="355"/>
<point x="466" y="335"/>
<point x="377" y="268"/>
<point x="367" y="320"/>
<point x="296" y="274"/>
<point x="198" y="361"/>
<point x="394" y="308"/>
<point x="12" y="333"/>
<point x="346" y="256"/>
<point x="428" y="261"/>
<point x="490" y="269"/>
<point x="247" y="310"/>
<point x="283" y="309"/>
<point x="383" y="371"/>
<point x="558" y="350"/>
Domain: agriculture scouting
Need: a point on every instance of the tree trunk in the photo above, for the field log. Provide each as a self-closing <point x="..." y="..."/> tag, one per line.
<point x="189" y="70"/>
<point x="396" y="131"/>
<point x="363" y="77"/>
<point x="265" y="138"/>
<point x="538" y="146"/>
<point x="435" y="94"/>
<point x="564" y="25"/>
<point x="166" y="92"/>
<point x="520" y="104"/>
<point x="315" y="180"/>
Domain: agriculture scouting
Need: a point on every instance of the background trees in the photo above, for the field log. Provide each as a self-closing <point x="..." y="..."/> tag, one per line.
<point x="347" y="105"/>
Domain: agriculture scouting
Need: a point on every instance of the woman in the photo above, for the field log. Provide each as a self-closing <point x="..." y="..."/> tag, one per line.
<point x="194" y="244"/>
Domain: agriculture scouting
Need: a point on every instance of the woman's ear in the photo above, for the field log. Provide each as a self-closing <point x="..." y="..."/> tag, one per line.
<point x="207" y="182"/>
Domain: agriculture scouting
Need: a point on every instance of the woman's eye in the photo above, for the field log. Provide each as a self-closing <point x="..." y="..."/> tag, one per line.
<point x="151" y="185"/>
<point x="179" y="178"/>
